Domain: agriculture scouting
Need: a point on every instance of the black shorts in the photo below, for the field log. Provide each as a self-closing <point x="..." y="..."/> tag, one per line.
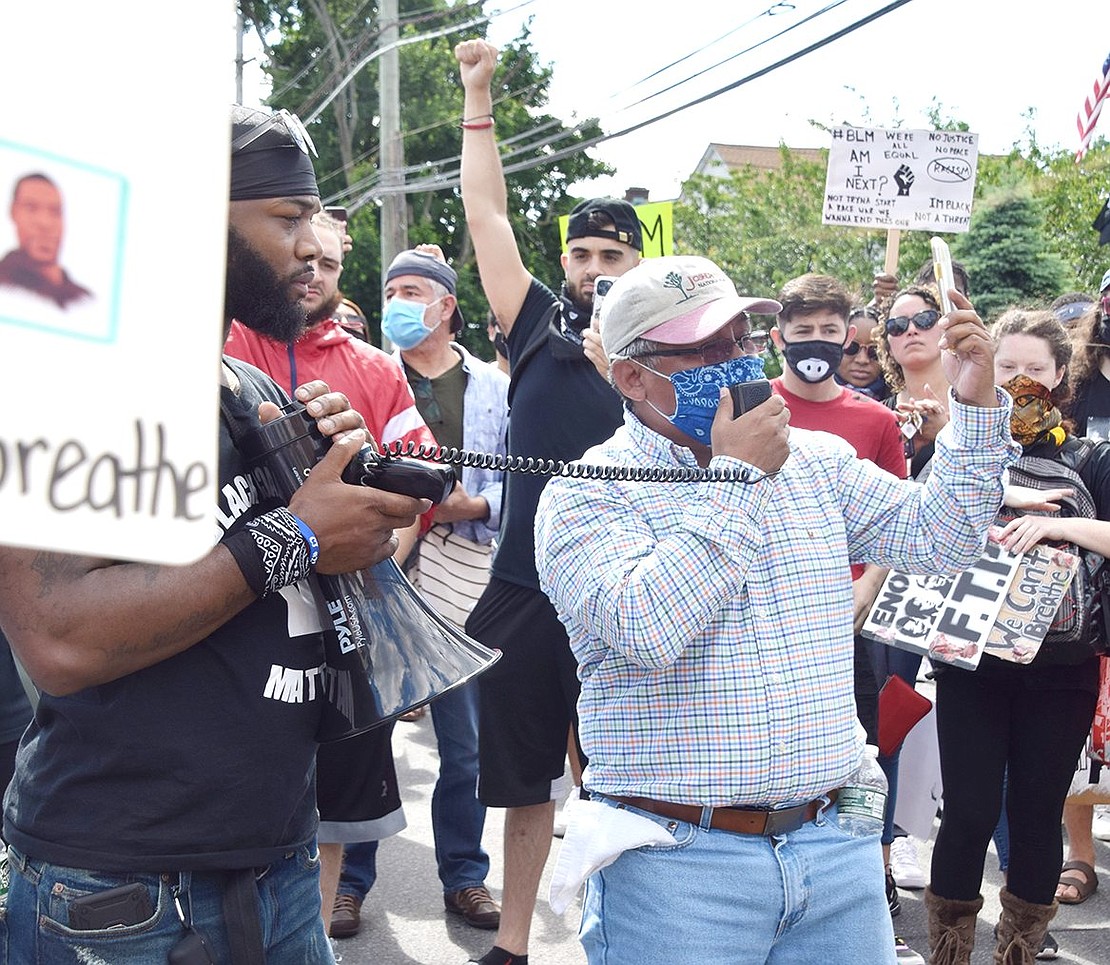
<point x="356" y="788"/>
<point x="526" y="701"/>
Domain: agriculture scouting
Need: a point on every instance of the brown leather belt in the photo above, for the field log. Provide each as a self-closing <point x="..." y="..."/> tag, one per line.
<point x="737" y="820"/>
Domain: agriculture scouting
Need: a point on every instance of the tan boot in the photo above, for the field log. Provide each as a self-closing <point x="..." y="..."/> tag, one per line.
<point x="951" y="928"/>
<point x="1021" y="929"/>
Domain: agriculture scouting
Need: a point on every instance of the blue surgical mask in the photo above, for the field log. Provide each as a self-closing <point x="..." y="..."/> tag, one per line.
<point x="403" y="323"/>
<point x="697" y="393"/>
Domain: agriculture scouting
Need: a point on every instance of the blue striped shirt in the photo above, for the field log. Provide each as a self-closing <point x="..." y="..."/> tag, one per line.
<point x="712" y="622"/>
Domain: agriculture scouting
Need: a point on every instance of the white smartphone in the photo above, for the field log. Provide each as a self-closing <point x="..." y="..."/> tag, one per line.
<point x="602" y="284"/>
<point x="942" y="271"/>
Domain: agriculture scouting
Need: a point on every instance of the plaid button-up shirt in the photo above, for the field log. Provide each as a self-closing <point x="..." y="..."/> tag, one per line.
<point x="712" y="622"/>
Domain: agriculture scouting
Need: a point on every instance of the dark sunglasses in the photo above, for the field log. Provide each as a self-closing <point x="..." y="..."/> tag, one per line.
<point x="922" y="321"/>
<point x="853" y="347"/>
<point x="292" y="126"/>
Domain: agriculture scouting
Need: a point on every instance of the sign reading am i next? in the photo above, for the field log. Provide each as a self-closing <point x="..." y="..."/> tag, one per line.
<point x="912" y="180"/>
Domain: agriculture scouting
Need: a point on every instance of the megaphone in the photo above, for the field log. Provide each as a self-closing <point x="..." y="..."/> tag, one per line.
<point x="386" y="651"/>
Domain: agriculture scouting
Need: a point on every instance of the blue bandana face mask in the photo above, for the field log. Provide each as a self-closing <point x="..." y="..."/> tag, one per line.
<point x="697" y="393"/>
<point x="403" y="323"/>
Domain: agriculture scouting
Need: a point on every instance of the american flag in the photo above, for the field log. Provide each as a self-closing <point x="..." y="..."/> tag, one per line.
<point x="1087" y="118"/>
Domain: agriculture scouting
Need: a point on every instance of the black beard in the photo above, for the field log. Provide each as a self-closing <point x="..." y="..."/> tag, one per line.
<point x="255" y="295"/>
<point x="325" y="311"/>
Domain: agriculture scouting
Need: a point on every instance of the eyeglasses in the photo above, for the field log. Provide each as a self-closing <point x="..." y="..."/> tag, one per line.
<point x="853" y="347"/>
<point x="922" y="321"/>
<point x="717" y="351"/>
<point x="292" y="124"/>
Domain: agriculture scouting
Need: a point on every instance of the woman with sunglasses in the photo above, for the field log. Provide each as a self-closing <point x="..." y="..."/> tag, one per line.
<point x="909" y="353"/>
<point x="860" y="369"/>
<point x="1028" y="721"/>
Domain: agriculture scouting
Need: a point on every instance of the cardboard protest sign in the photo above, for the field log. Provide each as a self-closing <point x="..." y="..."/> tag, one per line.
<point x="948" y="618"/>
<point x="916" y="180"/>
<point x="114" y="174"/>
<point x="1043" y="577"/>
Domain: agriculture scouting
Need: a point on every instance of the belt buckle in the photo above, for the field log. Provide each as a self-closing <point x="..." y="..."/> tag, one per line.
<point x="785" y="820"/>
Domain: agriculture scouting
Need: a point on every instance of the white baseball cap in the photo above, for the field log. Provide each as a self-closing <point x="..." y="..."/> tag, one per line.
<point x="677" y="300"/>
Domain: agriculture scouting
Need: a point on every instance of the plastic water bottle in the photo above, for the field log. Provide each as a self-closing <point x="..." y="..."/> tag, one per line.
<point x="862" y="801"/>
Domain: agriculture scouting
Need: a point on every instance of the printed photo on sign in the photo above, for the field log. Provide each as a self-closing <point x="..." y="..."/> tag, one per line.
<point x="947" y="618"/>
<point x="61" y="240"/>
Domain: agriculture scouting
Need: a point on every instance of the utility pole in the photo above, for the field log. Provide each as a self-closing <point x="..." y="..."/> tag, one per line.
<point x="238" y="54"/>
<point x="394" y="224"/>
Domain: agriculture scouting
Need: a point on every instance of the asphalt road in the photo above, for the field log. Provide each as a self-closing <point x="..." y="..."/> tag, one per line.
<point x="404" y="921"/>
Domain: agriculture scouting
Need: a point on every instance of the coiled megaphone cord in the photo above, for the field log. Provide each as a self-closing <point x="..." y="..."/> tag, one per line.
<point x="572" y="470"/>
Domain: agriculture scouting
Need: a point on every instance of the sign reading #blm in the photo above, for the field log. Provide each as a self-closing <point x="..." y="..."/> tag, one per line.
<point x="911" y="180"/>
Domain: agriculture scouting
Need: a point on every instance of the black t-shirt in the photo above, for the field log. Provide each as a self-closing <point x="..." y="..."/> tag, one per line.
<point x="204" y="761"/>
<point x="1091" y="401"/>
<point x="559" y="407"/>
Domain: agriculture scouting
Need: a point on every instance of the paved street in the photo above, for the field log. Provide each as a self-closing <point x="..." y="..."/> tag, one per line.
<point x="404" y="921"/>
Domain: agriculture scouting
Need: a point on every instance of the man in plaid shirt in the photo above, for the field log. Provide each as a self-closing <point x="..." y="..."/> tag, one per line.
<point x="712" y="624"/>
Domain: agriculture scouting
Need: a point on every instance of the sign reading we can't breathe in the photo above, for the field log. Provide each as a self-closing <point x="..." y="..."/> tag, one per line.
<point x="912" y="180"/>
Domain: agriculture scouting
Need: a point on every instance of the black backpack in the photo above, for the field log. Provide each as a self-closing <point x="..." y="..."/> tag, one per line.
<point x="1079" y="628"/>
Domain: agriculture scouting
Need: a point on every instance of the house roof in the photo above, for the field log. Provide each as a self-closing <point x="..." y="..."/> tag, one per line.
<point x="735" y="156"/>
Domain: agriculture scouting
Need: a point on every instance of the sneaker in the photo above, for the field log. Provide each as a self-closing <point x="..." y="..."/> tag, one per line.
<point x="345" y="916"/>
<point x="475" y="905"/>
<point x="905" y="955"/>
<point x="904" y="864"/>
<point x="892" y="900"/>
<point x="1050" y="948"/>
<point x="1100" y="827"/>
<point x="335" y="950"/>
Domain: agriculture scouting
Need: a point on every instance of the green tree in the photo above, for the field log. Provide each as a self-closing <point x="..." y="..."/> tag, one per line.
<point x="1006" y="254"/>
<point x="764" y="228"/>
<point x="314" y="43"/>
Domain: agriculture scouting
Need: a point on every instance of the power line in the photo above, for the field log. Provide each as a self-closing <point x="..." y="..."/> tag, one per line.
<point x="440" y="183"/>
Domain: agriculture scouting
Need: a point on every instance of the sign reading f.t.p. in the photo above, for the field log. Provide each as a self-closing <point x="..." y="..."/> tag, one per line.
<point x="912" y="180"/>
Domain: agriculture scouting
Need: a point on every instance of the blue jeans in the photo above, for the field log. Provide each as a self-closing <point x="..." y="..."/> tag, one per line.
<point x="35" y="929"/>
<point x="458" y="817"/>
<point x="716" y="898"/>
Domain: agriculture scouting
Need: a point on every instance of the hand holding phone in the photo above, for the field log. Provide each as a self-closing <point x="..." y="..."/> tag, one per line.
<point x="747" y="395"/>
<point x="942" y="271"/>
<point x="602" y="284"/>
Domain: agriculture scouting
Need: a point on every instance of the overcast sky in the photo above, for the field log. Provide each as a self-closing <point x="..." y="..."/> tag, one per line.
<point x="985" y="62"/>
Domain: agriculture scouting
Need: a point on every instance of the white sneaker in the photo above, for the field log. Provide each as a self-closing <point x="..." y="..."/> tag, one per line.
<point x="904" y="864"/>
<point x="1100" y="827"/>
<point x="905" y="955"/>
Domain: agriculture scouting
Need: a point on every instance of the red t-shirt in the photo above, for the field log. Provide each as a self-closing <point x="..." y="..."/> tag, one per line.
<point x="869" y="426"/>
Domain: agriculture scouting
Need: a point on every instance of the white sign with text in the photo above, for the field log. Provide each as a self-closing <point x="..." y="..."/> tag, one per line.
<point x="113" y="169"/>
<point x="911" y="180"/>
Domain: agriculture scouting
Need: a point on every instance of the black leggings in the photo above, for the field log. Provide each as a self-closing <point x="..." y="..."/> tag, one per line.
<point x="986" y="723"/>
